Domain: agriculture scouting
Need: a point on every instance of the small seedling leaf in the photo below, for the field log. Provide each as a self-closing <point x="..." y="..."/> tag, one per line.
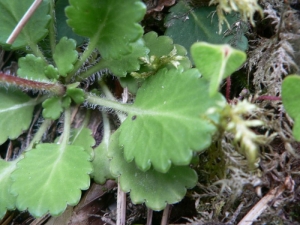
<point x="62" y="172"/>
<point x="51" y="72"/>
<point x="128" y="63"/>
<point x="32" y="68"/>
<point x="11" y="12"/>
<point x="216" y="62"/>
<point x="52" y="108"/>
<point x="7" y="200"/>
<point x="152" y="187"/>
<point x="65" y="55"/>
<point x="76" y="94"/>
<point x="291" y="101"/>
<point x="115" y="24"/>
<point x="16" y="111"/>
<point x="166" y="122"/>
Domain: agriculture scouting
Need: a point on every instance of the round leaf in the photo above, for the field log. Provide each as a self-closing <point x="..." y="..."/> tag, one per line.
<point x="166" y="122"/>
<point x="115" y="23"/>
<point x="50" y="177"/>
<point x="152" y="187"/>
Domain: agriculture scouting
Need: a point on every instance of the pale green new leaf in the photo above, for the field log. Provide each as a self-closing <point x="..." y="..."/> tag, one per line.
<point x="16" y="110"/>
<point x="167" y="121"/>
<point x="216" y="62"/>
<point x="65" y="55"/>
<point x="7" y="200"/>
<point x="32" y="68"/>
<point x="50" y="177"/>
<point x="83" y="137"/>
<point x="291" y="101"/>
<point x="115" y="24"/>
<point x="52" y="108"/>
<point x="152" y="187"/>
<point x="11" y="11"/>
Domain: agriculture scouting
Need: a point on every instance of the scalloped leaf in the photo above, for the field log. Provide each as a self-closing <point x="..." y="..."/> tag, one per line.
<point x="186" y="25"/>
<point x="76" y="94"/>
<point x="7" y="200"/>
<point x="32" y="68"/>
<point x="65" y="55"/>
<point x="152" y="187"/>
<point x="83" y="137"/>
<point x="115" y="24"/>
<point x="16" y="111"/>
<point x="130" y="62"/>
<point x="166" y="122"/>
<point x="216" y="62"/>
<point x="11" y="11"/>
<point x="291" y="101"/>
<point x="51" y="72"/>
<point x="62" y="172"/>
<point x="52" y="108"/>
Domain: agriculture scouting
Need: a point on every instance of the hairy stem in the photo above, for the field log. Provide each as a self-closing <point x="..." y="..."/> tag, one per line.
<point x="52" y="27"/>
<point x="55" y="88"/>
<point x="99" y="66"/>
<point x="39" y="134"/>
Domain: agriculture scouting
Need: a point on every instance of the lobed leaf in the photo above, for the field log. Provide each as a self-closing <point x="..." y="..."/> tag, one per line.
<point x="187" y="25"/>
<point x="11" y="12"/>
<point x="16" y="111"/>
<point x="7" y="200"/>
<point x="291" y="101"/>
<point x="115" y="24"/>
<point x="216" y="62"/>
<point x="65" y="55"/>
<point x="167" y="121"/>
<point x="152" y="187"/>
<point x="83" y="137"/>
<point x="52" y="108"/>
<point x="62" y="172"/>
<point x="32" y="68"/>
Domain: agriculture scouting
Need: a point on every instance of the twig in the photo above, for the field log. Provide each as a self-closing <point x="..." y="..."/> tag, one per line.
<point x="121" y="206"/>
<point x="258" y="209"/>
<point x="165" y="217"/>
<point x="149" y="216"/>
<point x="23" y="21"/>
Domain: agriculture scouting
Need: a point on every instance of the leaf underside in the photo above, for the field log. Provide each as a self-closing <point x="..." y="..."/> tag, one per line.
<point x="166" y="122"/>
<point x="50" y="177"/>
<point x="152" y="187"/>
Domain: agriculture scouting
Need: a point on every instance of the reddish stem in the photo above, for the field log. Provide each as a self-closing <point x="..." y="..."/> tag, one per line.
<point x="228" y="88"/>
<point x="54" y="88"/>
<point x="270" y="98"/>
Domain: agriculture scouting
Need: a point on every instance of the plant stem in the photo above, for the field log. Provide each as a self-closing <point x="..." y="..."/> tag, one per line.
<point x="149" y="216"/>
<point x="23" y="21"/>
<point x="39" y="134"/>
<point x="54" y="88"/>
<point x="102" y="64"/>
<point x="36" y="51"/>
<point x="110" y="96"/>
<point x="52" y="27"/>
<point x="121" y="206"/>
<point x="67" y="127"/>
<point x="108" y="103"/>
<point x="165" y="217"/>
<point x="88" y="51"/>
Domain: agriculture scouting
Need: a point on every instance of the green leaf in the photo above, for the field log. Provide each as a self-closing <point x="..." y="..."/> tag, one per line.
<point x="11" y="11"/>
<point x="167" y="121"/>
<point x="133" y="84"/>
<point x="51" y="72"/>
<point x="154" y="188"/>
<point x="32" y="68"/>
<point x="52" y="108"/>
<point x="65" y="55"/>
<point x="186" y="25"/>
<point x="128" y="63"/>
<point x="76" y="94"/>
<point x="50" y="177"/>
<point x="216" y="62"/>
<point x="7" y="200"/>
<point x="83" y="137"/>
<point x="63" y="30"/>
<point x="16" y="110"/>
<point x="115" y="24"/>
<point x="291" y="101"/>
